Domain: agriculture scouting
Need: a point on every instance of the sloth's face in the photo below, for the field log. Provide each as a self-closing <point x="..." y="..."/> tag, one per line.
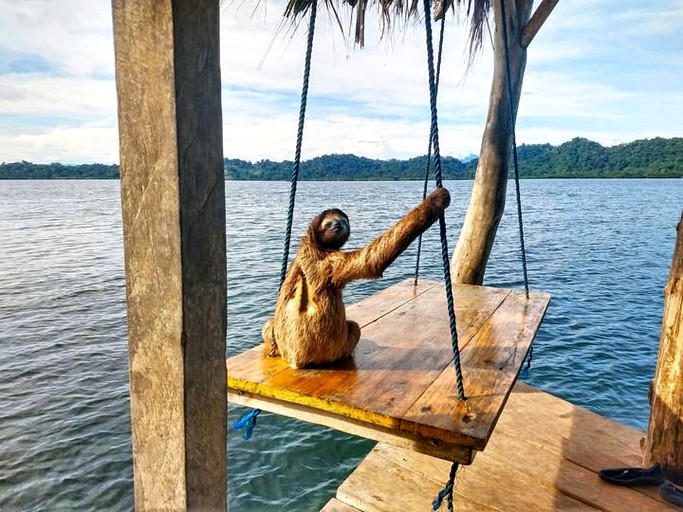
<point x="333" y="230"/>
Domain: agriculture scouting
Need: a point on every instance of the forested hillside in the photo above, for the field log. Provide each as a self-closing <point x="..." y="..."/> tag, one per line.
<point x="578" y="158"/>
<point x="582" y="158"/>
<point x="346" y="167"/>
<point x="28" y="171"/>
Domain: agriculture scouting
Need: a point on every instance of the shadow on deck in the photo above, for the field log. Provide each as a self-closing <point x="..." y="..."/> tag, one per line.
<point x="544" y="455"/>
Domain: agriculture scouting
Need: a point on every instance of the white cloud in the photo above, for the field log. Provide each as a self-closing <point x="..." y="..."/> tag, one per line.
<point x="48" y="96"/>
<point x="593" y="71"/>
<point x="68" y="145"/>
<point x="73" y="35"/>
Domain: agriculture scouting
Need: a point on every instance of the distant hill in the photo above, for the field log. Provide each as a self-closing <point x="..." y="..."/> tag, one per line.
<point x="582" y="158"/>
<point x="578" y="158"/>
<point x="28" y="171"/>
<point x="346" y="167"/>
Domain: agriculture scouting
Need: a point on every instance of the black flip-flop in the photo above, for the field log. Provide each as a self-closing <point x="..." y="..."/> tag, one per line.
<point x="672" y="494"/>
<point x="633" y="476"/>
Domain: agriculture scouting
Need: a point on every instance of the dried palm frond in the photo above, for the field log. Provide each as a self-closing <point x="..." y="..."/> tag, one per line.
<point x="476" y="11"/>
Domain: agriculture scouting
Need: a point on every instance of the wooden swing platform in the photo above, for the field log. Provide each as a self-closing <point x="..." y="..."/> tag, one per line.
<point x="400" y="386"/>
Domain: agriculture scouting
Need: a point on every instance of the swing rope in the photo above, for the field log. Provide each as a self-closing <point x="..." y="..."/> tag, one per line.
<point x="447" y="492"/>
<point x="299" y="142"/>
<point x="297" y="153"/>
<point x="429" y="147"/>
<point x="249" y="419"/>
<point x="442" y="220"/>
<point x="514" y="146"/>
<point x="515" y="161"/>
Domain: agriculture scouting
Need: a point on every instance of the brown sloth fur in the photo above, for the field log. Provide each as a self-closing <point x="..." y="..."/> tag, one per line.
<point x="310" y="326"/>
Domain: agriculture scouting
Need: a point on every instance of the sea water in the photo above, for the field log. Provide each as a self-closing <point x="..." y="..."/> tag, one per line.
<point x="602" y="248"/>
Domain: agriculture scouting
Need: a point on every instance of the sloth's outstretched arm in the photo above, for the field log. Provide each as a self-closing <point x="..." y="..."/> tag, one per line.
<point x="371" y="261"/>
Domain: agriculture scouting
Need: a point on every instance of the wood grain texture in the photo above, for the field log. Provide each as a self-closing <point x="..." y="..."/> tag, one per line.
<point x="536" y="22"/>
<point x="490" y="363"/>
<point x="334" y="505"/>
<point x="401" y="372"/>
<point x="259" y="368"/>
<point x="664" y="443"/>
<point x="548" y="464"/>
<point x="407" y="440"/>
<point x="571" y="433"/>
<point x="487" y="202"/>
<point x="173" y="202"/>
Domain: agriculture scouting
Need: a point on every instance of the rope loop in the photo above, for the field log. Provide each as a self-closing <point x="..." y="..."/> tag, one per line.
<point x="248" y="421"/>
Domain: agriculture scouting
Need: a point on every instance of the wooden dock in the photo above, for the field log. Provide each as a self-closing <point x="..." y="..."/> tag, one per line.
<point x="544" y="455"/>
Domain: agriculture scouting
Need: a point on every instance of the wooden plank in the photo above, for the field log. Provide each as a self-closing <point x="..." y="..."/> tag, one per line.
<point x="573" y="433"/>
<point x="409" y="441"/>
<point x="377" y="485"/>
<point x="173" y="201"/>
<point x="391" y="367"/>
<point x="579" y="435"/>
<point x="252" y="367"/>
<point x="392" y="364"/>
<point x="518" y="470"/>
<point x="387" y="300"/>
<point x="334" y="505"/>
<point x="392" y="479"/>
<point x="395" y="364"/>
<point x="570" y="478"/>
<point x="396" y="359"/>
<point x="490" y="365"/>
<point x="491" y="485"/>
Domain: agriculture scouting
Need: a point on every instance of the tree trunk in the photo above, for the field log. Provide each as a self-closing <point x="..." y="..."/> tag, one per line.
<point x="488" y="194"/>
<point x="664" y="442"/>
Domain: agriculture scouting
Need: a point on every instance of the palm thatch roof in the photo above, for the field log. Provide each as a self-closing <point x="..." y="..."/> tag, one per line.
<point x="475" y="11"/>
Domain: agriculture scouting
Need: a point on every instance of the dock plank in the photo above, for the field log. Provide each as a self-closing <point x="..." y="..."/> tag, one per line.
<point x="486" y="486"/>
<point x="378" y="486"/>
<point x="573" y="433"/>
<point x="334" y="505"/>
<point x="577" y="433"/>
<point x="541" y="457"/>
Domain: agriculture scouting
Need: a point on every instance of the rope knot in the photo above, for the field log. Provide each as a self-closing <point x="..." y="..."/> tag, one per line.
<point x="248" y="421"/>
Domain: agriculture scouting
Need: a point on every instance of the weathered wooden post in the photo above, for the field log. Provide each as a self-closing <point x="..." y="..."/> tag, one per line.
<point x="172" y="188"/>
<point x="664" y="442"/>
<point x="487" y="201"/>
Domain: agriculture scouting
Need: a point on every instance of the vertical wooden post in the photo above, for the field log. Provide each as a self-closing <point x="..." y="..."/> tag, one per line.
<point x="664" y="442"/>
<point x="172" y="188"/>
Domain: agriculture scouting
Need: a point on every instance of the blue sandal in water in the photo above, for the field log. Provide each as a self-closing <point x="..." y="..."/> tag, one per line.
<point x="672" y="494"/>
<point x="633" y="476"/>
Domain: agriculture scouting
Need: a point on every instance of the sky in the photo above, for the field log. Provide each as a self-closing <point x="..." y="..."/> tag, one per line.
<point x="608" y="71"/>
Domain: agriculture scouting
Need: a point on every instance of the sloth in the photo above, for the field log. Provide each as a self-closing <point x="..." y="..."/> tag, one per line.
<point x="310" y="326"/>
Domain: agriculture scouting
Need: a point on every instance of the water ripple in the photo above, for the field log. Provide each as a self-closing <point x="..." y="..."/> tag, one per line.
<point x="601" y="247"/>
